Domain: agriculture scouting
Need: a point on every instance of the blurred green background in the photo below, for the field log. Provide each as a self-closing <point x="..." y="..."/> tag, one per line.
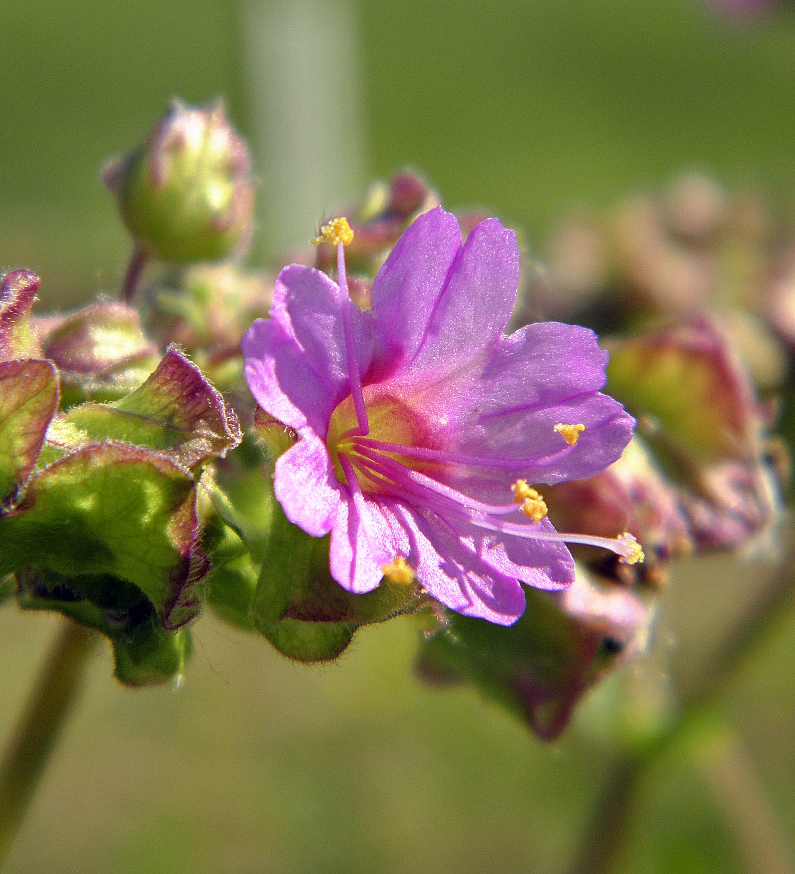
<point x="525" y="109"/>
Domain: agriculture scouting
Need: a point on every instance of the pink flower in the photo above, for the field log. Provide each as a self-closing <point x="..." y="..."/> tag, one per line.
<point x="421" y="423"/>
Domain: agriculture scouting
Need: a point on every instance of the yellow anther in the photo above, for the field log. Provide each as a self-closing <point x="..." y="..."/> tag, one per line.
<point x="336" y="231"/>
<point x="398" y="571"/>
<point x="634" y="549"/>
<point x="522" y="491"/>
<point x="570" y="433"/>
<point x="533" y="505"/>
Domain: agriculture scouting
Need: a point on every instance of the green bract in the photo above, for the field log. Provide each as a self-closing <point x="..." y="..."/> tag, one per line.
<point x="99" y="512"/>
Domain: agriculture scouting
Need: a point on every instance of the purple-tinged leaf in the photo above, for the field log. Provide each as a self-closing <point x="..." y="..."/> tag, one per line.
<point x="17" y="292"/>
<point x="28" y="401"/>
<point x="115" y="510"/>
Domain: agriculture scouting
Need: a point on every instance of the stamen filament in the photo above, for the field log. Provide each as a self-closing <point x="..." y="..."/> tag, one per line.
<point x="460" y="458"/>
<point x="386" y="465"/>
<point x="437" y="497"/>
<point x="358" y="503"/>
<point x="350" y="344"/>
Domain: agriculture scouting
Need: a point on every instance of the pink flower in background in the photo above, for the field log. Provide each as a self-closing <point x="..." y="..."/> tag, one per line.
<point x="421" y="424"/>
<point x="743" y="8"/>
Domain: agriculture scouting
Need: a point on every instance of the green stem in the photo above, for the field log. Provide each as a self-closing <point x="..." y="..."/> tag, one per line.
<point x="724" y="763"/>
<point x="605" y="836"/>
<point x="39" y="728"/>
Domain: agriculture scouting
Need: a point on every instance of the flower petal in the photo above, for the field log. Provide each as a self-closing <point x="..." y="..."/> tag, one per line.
<point x="475" y="306"/>
<point x="502" y="411"/>
<point x="296" y="361"/>
<point x="454" y="573"/>
<point x="283" y="382"/>
<point x="410" y="283"/>
<point x="305" y="486"/>
<point x="366" y="536"/>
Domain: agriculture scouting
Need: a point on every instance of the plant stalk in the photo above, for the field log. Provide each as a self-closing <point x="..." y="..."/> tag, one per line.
<point x="38" y="729"/>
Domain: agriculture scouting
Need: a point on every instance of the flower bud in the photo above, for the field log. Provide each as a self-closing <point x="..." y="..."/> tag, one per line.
<point x="185" y="193"/>
<point x="540" y="667"/>
<point x="100" y="351"/>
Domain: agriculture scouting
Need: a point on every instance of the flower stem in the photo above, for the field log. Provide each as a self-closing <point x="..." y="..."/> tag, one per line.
<point x="725" y="765"/>
<point x="39" y="727"/>
<point x="137" y="263"/>
<point x="604" y="838"/>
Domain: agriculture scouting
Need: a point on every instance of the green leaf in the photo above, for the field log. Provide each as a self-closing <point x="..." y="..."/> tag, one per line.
<point x="112" y="510"/>
<point x="686" y="381"/>
<point x="145" y="652"/>
<point x="17" y="292"/>
<point x="28" y="401"/>
<point x="540" y="667"/>
<point x="176" y="412"/>
<point x="7" y="587"/>
<point x="151" y="654"/>
<point x="101" y="351"/>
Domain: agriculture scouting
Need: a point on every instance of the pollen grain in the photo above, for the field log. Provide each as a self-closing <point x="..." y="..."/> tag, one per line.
<point x="334" y="232"/>
<point x="398" y="571"/>
<point x="634" y="554"/>
<point x="570" y="433"/>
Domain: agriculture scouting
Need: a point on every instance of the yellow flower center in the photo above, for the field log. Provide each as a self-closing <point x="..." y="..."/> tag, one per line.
<point x="390" y="421"/>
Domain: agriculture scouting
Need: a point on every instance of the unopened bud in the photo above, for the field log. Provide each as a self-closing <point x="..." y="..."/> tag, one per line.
<point x="185" y="192"/>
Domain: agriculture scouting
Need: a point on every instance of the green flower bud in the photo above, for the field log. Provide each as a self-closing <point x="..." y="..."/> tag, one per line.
<point x="185" y="194"/>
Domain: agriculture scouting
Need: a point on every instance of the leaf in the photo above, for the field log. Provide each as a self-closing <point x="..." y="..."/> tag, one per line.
<point x="101" y="351"/>
<point x="112" y="510"/>
<point x="18" y="290"/>
<point x="302" y="610"/>
<point x="687" y="381"/>
<point x="28" y="401"/>
<point x="540" y="667"/>
<point x="176" y="412"/>
<point x="145" y="652"/>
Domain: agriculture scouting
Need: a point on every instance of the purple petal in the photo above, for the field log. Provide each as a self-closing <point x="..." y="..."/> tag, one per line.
<point x="366" y="536"/>
<point x="296" y="361"/>
<point x="504" y="408"/>
<point x="283" y="382"/>
<point x="543" y="564"/>
<point x="474" y="308"/>
<point x="454" y="573"/>
<point x="305" y="486"/>
<point x="409" y="284"/>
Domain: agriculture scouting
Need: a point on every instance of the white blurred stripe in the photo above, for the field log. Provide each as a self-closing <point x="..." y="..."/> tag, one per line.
<point x="302" y="76"/>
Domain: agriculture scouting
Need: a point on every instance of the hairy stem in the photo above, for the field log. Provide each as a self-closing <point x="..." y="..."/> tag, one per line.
<point x="39" y="727"/>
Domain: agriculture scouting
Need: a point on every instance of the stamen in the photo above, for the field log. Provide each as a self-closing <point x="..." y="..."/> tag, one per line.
<point x="335" y="232"/>
<point x="447" y="502"/>
<point x="533" y="505"/>
<point x="444" y="457"/>
<point x="358" y="502"/>
<point x="570" y="433"/>
<point x="635" y="554"/>
<point x="624" y="546"/>
<point x="522" y="491"/>
<point x="402" y="475"/>
<point x="398" y="571"/>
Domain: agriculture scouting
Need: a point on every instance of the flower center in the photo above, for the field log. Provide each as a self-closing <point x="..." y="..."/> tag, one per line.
<point x="390" y="420"/>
